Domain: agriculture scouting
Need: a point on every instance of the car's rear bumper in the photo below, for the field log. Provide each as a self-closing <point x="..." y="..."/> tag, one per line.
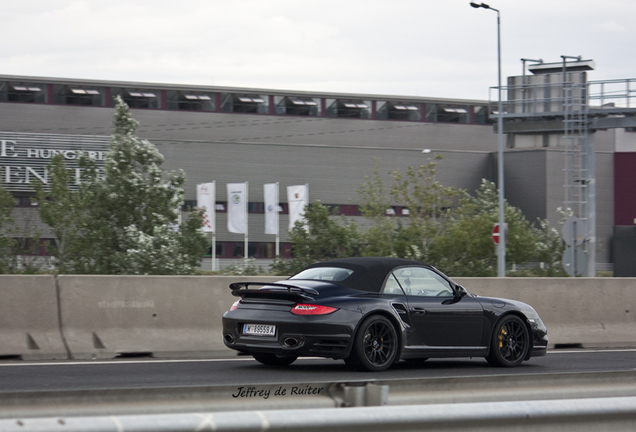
<point x="323" y="336"/>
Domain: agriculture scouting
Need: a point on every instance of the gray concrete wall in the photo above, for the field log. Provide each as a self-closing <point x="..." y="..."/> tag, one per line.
<point x="29" y="325"/>
<point x="168" y="316"/>
<point x="588" y="311"/>
<point x="177" y="316"/>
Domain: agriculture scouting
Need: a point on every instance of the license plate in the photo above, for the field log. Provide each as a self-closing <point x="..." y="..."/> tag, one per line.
<point x="259" y="329"/>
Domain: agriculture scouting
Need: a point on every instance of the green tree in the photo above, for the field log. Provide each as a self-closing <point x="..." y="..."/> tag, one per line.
<point x="451" y="229"/>
<point x="428" y="202"/>
<point x="379" y="238"/>
<point x="550" y="249"/>
<point x="465" y="247"/>
<point x="323" y="237"/>
<point x="429" y="205"/>
<point x="63" y="210"/>
<point x="123" y="220"/>
<point x="19" y="240"/>
<point x="7" y="231"/>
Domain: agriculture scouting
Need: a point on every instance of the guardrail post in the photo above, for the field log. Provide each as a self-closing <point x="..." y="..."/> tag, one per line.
<point x="365" y="395"/>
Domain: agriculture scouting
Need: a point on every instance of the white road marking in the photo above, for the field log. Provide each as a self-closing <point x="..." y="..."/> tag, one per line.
<point x="146" y="361"/>
<point x="18" y="363"/>
<point x="582" y="350"/>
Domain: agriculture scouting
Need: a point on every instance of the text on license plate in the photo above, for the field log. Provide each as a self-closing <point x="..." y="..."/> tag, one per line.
<point x="259" y="329"/>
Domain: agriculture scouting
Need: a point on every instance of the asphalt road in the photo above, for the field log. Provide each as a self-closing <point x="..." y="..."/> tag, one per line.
<point x="148" y="373"/>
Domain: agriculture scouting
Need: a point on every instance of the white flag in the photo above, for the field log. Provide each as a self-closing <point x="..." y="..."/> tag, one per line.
<point x="206" y="200"/>
<point x="237" y="208"/>
<point x="297" y="199"/>
<point x="271" y="208"/>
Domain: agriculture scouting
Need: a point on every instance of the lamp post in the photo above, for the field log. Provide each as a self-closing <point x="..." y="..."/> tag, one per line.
<point x="501" y="246"/>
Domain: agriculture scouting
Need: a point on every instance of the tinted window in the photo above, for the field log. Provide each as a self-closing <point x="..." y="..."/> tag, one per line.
<point x="333" y="274"/>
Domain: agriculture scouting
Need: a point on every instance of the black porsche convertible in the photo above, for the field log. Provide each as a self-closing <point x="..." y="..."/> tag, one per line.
<point x="373" y="312"/>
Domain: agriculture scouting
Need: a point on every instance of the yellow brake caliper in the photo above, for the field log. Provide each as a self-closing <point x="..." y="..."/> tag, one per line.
<point x="502" y="334"/>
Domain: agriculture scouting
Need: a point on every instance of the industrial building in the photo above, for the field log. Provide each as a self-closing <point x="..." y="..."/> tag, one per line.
<point x="325" y="140"/>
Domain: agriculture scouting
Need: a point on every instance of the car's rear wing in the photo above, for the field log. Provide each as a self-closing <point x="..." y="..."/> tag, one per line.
<point x="269" y="290"/>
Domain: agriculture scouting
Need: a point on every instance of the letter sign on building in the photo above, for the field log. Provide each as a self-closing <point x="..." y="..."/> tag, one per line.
<point x="24" y="157"/>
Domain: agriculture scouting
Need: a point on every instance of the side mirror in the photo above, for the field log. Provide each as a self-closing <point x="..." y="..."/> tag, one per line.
<point x="460" y="291"/>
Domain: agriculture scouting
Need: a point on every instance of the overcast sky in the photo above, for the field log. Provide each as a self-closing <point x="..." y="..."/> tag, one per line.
<point x="441" y="48"/>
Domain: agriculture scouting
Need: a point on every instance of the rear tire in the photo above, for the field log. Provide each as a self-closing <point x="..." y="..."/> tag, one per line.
<point x="509" y="343"/>
<point x="375" y="346"/>
<point x="274" y="359"/>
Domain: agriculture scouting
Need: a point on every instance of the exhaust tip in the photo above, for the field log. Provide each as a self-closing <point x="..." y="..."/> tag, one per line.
<point x="228" y="339"/>
<point x="291" y="342"/>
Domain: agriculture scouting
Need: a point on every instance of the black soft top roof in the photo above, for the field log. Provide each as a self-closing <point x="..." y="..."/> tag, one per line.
<point x="369" y="273"/>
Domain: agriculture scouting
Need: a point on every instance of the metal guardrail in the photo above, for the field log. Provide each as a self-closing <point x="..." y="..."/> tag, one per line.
<point x="316" y="395"/>
<point x="615" y="414"/>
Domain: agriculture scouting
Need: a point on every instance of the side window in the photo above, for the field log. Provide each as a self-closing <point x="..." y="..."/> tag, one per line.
<point x="420" y="281"/>
<point x="391" y="286"/>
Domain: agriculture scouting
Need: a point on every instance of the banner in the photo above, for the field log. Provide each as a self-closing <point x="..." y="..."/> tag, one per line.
<point x="206" y="200"/>
<point x="237" y="208"/>
<point x="297" y="197"/>
<point x="271" y="208"/>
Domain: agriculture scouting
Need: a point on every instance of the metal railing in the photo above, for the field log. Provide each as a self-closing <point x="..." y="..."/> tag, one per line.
<point x="608" y="97"/>
<point x="615" y="414"/>
<point x="618" y="95"/>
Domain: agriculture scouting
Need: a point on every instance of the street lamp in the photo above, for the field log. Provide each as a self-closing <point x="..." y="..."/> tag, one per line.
<point x="501" y="246"/>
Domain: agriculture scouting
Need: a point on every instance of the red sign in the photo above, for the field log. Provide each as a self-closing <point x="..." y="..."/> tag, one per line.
<point x="495" y="233"/>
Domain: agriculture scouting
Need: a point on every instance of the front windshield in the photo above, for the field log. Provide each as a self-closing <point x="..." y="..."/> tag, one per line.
<point x="333" y="274"/>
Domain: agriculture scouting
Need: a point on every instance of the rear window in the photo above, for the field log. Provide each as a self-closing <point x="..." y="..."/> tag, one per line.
<point x="332" y="274"/>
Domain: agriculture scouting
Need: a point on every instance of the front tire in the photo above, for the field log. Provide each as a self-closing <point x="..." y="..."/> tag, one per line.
<point x="509" y="343"/>
<point x="274" y="360"/>
<point x="375" y="345"/>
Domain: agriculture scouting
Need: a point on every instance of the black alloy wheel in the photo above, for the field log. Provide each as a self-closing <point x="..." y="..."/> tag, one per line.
<point x="274" y="359"/>
<point x="510" y="342"/>
<point x="375" y="345"/>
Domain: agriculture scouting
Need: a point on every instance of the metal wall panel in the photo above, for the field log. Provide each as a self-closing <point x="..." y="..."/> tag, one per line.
<point x="525" y="181"/>
<point x="249" y="128"/>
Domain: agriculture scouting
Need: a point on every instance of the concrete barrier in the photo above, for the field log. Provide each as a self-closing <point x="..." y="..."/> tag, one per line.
<point x="592" y="312"/>
<point x="29" y="321"/>
<point x="165" y="316"/>
<point x="180" y="316"/>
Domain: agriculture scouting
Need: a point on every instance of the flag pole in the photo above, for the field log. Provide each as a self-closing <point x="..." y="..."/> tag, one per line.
<point x="213" y="237"/>
<point x="277" y="222"/>
<point x="246" y="222"/>
<point x="213" y="251"/>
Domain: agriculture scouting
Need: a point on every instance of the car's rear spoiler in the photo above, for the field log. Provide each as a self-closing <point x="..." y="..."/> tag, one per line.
<point x="269" y="290"/>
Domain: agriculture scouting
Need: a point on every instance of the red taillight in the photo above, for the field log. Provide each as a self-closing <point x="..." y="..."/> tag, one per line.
<point x="235" y="305"/>
<point x="309" y="309"/>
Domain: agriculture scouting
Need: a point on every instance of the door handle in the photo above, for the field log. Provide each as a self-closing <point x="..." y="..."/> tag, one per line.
<point x="418" y="310"/>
